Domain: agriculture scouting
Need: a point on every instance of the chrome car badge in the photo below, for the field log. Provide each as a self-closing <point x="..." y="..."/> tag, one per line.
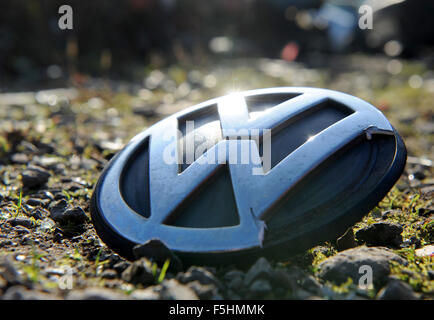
<point x="266" y="172"/>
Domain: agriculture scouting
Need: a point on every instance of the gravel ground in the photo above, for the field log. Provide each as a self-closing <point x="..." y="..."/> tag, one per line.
<point x="54" y="144"/>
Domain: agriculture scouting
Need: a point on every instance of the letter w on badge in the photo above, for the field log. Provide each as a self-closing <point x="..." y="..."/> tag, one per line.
<point x="258" y="184"/>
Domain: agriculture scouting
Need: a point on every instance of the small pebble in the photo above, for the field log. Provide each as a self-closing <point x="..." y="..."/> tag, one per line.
<point x="34" y="177"/>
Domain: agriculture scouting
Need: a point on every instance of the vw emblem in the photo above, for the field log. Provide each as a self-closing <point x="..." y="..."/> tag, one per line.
<point x="266" y="172"/>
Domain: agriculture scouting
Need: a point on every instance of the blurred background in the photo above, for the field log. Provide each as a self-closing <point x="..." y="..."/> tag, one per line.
<point x="126" y="39"/>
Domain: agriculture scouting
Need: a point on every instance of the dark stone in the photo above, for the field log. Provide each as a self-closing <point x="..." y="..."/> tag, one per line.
<point x="35" y="202"/>
<point x="346" y="241"/>
<point x="425" y="212"/>
<point x="113" y="259"/>
<point x="60" y="196"/>
<point x="286" y="280"/>
<point x="259" y="288"/>
<point x="121" y="266"/>
<point x="233" y="274"/>
<point x="155" y="250"/>
<point x="109" y="274"/>
<point x="261" y="269"/>
<point x="27" y="223"/>
<point x="397" y="290"/>
<point x="234" y="280"/>
<point x="57" y="208"/>
<point x="199" y="274"/>
<point x="290" y="279"/>
<point x="203" y="291"/>
<point x="139" y="272"/>
<point x="34" y="177"/>
<point x="346" y="265"/>
<point x="381" y="234"/>
<point x="62" y="213"/>
<point x="74" y="215"/>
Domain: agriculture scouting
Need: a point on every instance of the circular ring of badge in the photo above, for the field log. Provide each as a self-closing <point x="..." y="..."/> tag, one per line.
<point x="267" y="172"/>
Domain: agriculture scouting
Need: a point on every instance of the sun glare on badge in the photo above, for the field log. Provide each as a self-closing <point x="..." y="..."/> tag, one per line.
<point x="310" y="138"/>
